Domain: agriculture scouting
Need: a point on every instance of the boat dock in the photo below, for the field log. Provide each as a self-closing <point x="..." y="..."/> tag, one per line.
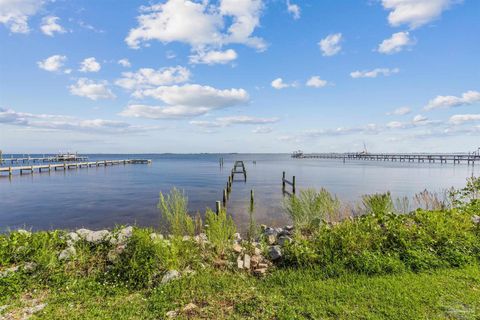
<point x="468" y="158"/>
<point x="68" y="165"/>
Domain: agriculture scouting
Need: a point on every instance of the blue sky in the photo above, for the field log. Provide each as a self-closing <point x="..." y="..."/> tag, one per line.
<point x="239" y="76"/>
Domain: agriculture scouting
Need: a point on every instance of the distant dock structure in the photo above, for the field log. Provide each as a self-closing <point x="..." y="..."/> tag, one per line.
<point x="61" y="157"/>
<point x="455" y="158"/>
<point x="22" y="168"/>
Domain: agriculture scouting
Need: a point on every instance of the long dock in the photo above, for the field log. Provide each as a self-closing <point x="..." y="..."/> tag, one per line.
<point x="401" y="157"/>
<point x="69" y="165"/>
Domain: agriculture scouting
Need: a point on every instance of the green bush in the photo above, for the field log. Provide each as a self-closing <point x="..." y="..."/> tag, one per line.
<point x="144" y="260"/>
<point x="310" y="208"/>
<point x="378" y="204"/>
<point x="174" y="208"/>
<point x="388" y="243"/>
<point x="220" y="229"/>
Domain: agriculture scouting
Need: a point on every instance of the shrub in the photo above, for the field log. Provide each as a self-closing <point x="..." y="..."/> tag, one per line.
<point x="378" y="204"/>
<point x="144" y="260"/>
<point x="310" y="208"/>
<point x="174" y="208"/>
<point x="220" y="229"/>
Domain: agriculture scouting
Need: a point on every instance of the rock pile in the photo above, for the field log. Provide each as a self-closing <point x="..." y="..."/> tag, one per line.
<point x="258" y="256"/>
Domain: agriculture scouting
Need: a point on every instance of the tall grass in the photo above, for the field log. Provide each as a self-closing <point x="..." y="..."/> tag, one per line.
<point x="310" y="208"/>
<point x="174" y="208"/>
<point x="220" y="229"/>
<point x="378" y="204"/>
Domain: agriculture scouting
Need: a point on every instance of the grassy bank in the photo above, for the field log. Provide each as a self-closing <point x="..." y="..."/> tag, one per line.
<point x="422" y="264"/>
<point x="284" y="294"/>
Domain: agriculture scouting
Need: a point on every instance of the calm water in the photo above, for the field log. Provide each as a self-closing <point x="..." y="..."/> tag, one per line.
<point x="102" y="197"/>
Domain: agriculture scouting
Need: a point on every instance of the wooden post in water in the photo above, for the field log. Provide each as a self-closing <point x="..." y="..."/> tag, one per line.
<point x="283" y="181"/>
<point x="224" y="197"/>
<point x="218" y="207"/>
<point x="251" y="197"/>
<point x="293" y="184"/>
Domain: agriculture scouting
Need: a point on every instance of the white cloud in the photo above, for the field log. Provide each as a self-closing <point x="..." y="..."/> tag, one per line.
<point x="400" y="111"/>
<point x="213" y="57"/>
<point x="124" y="63"/>
<point x="185" y="101"/>
<point x="279" y="84"/>
<point x="197" y="96"/>
<point x="62" y="122"/>
<point x="232" y="120"/>
<point x="467" y="98"/>
<point x="395" y="125"/>
<point x="419" y="120"/>
<point x="199" y="24"/>
<point x="14" y="14"/>
<point x="463" y="118"/>
<point x="294" y="9"/>
<point x="262" y="130"/>
<point x="53" y="63"/>
<point x="89" y="65"/>
<point x="92" y="90"/>
<point x="316" y="82"/>
<point x="330" y="45"/>
<point x="415" y="13"/>
<point x="161" y="112"/>
<point x="148" y="78"/>
<point x="50" y="26"/>
<point x="396" y="43"/>
<point x="374" y="73"/>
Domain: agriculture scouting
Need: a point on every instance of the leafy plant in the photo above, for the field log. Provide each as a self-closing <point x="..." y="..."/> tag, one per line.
<point x="174" y="208"/>
<point x="310" y="208"/>
<point x="378" y="204"/>
<point x="220" y="229"/>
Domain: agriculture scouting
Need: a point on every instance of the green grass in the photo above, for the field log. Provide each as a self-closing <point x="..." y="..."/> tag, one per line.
<point x="284" y="294"/>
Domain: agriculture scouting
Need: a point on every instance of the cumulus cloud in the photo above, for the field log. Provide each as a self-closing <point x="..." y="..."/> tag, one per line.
<point x="199" y="24"/>
<point x="396" y="43"/>
<point x="294" y="9"/>
<point x="14" y="14"/>
<point x="61" y="122"/>
<point x="316" y="82"/>
<point x="467" y="98"/>
<point x="50" y="26"/>
<point x="330" y="45"/>
<point x="53" y="63"/>
<point x="91" y="89"/>
<point x="463" y="118"/>
<point x="232" y="120"/>
<point x="374" y="73"/>
<point x="213" y="57"/>
<point x="148" y="77"/>
<point x="279" y="84"/>
<point x="400" y="111"/>
<point x="420" y="120"/>
<point x="415" y="13"/>
<point x="185" y="101"/>
<point x="124" y="63"/>
<point x="89" y="65"/>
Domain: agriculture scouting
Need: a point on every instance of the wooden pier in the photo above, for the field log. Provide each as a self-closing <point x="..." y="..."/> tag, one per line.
<point x="239" y="168"/>
<point x="69" y="165"/>
<point x="467" y="158"/>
